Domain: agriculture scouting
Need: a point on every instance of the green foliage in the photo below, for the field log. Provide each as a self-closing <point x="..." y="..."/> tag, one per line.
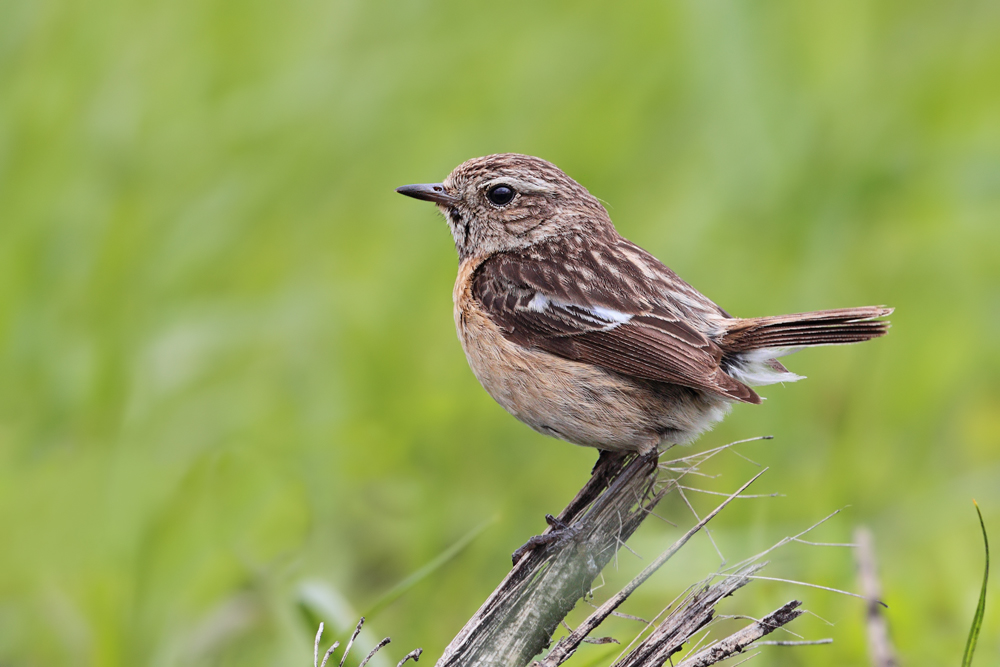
<point x="231" y="397"/>
<point x="977" y="620"/>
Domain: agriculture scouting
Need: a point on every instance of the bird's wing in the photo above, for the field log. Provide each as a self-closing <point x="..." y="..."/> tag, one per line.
<point x="597" y="305"/>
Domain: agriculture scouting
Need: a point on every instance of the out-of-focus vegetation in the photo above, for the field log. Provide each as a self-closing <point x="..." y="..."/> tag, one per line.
<point x="232" y="403"/>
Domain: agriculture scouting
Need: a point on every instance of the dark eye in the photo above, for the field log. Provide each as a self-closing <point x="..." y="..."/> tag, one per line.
<point x="500" y="195"/>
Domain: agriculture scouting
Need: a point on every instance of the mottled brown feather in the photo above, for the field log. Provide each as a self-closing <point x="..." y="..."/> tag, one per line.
<point x="654" y="345"/>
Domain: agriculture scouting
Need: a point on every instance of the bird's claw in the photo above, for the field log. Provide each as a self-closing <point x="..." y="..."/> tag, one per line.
<point x="559" y="531"/>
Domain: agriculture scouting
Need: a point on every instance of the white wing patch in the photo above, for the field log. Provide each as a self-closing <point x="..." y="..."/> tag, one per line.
<point x="608" y="314"/>
<point x="605" y="318"/>
<point x="539" y="303"/>
<point x="752" y="368"/>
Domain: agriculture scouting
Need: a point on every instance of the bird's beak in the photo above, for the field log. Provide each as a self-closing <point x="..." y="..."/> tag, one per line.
<point x="434" y="192"/>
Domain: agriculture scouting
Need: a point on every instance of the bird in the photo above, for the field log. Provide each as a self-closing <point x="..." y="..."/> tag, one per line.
<point x="586" y="337"/>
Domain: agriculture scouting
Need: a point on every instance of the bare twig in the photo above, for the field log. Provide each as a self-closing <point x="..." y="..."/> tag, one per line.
<point x="825" y="588"/>
<point x="618" y="614"/>
<point x="880" y="647"/>
<point x="329" y="651"/>
<point x="736" y="642"/>
<point x="680" y="625"/>
<point x="374" y="651"/>
<point x="347" y="649"/>
<point x="412" y="655"/>
<point x="319" y="634"/>
<point x="783" y="542"/>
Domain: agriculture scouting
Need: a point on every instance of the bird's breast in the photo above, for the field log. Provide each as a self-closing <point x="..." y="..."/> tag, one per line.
<point x="577" y="402"/>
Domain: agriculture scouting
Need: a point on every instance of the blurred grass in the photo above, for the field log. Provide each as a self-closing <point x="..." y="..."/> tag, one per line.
<point x="231" y="397"/>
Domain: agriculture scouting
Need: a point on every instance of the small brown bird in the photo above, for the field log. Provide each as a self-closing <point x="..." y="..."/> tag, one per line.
<point x="587" y="337"/>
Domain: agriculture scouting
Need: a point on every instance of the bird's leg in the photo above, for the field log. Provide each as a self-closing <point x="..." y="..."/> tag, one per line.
<point x="557" y="531"/>
<point x="609" y="464"/>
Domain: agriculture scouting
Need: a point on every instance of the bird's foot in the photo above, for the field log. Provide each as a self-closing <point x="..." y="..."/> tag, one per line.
<point x="558" y="531"/>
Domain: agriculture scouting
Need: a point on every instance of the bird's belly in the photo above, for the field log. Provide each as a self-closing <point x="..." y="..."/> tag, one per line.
<point x="577" y="402"/>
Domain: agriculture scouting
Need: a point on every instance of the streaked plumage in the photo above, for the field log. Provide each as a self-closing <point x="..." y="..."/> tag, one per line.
<point x="585" y="336"/>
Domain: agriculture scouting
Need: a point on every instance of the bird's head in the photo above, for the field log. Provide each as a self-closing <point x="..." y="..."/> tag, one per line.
<point x="509" y="201"/>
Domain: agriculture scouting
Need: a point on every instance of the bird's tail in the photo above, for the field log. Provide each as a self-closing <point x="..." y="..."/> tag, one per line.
<point x="821" y="327"/>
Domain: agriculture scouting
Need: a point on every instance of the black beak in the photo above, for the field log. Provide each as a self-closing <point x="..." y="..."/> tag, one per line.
<point x="434" y="192"/>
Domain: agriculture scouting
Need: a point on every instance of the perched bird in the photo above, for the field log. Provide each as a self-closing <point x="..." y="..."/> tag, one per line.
<point x="585" y="336"/>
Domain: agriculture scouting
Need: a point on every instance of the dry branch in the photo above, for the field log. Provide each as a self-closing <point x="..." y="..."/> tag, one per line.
<point x="517" y="621"/>
<point x="567" y="646"/>
<point x="736" y="642"/>
<point x="557" y="569"/>
<point x="694" y="613"/>
<point x="880" y="648"/>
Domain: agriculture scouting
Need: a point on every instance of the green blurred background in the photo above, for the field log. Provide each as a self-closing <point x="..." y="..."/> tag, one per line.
<point x="232" y="402"/>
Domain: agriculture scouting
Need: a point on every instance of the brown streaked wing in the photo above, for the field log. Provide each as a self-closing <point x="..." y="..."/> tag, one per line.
<point x="579" y="316"/>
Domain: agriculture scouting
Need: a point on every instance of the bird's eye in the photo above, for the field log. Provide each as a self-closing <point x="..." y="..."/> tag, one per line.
<point x="500" y="195"/>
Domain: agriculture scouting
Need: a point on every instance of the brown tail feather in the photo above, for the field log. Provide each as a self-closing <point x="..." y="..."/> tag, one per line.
<point x="822" y="327"/>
